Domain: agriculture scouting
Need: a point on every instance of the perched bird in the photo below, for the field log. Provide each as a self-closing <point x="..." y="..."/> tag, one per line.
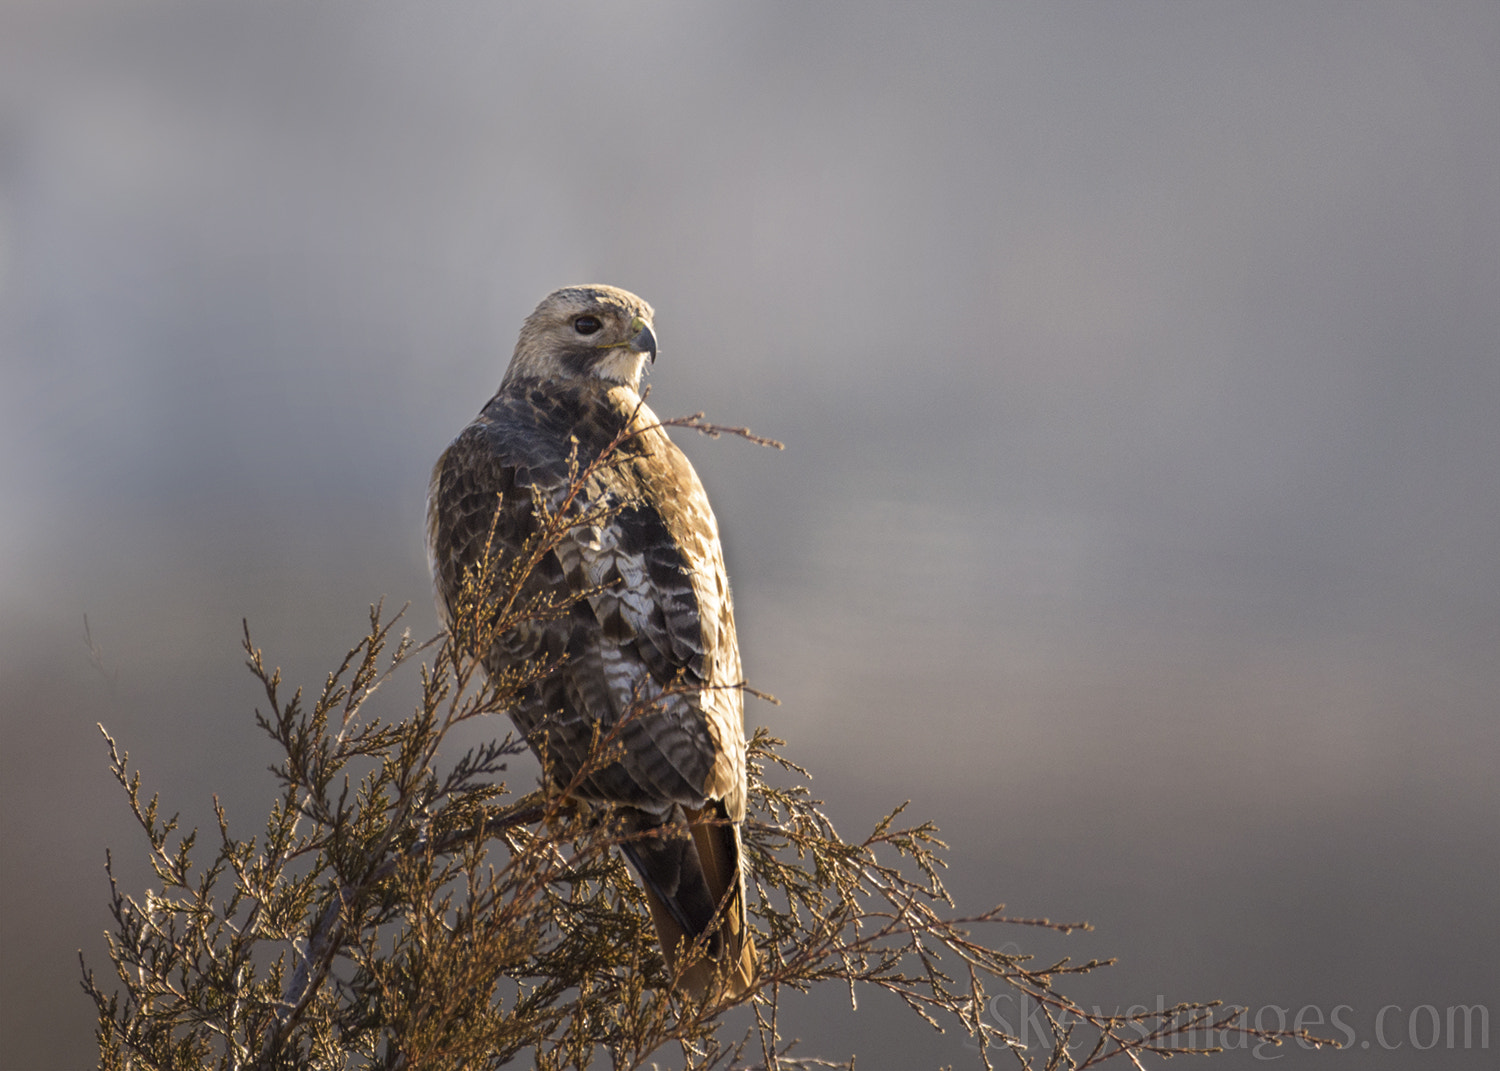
<point x="654" y="620"/>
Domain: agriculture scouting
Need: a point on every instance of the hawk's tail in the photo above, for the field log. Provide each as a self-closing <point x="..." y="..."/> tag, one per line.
<point x="695" y="885"/>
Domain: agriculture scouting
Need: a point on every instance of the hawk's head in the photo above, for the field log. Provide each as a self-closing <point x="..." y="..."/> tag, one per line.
<point x="579" y="332"/>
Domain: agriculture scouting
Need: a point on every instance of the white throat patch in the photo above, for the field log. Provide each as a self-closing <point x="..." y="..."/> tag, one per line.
<point x="621" y="365"/>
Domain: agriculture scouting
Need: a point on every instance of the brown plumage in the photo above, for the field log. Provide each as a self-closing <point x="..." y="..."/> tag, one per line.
<point x="657" y="614"/>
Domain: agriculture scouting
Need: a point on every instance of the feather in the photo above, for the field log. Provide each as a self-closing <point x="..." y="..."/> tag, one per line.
<point x="648" y="611"/>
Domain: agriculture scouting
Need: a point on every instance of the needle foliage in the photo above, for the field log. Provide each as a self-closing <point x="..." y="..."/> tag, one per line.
<point x="402" y="907"/>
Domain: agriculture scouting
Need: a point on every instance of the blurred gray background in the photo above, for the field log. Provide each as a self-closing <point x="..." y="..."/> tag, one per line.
<point x="1138" y="366"/>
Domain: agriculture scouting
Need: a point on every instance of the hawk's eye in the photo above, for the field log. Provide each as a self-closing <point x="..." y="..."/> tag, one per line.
<point x="587" y="325"/>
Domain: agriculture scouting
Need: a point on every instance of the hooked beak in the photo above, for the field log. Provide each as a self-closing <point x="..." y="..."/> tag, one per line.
<point x="644" y="341"/>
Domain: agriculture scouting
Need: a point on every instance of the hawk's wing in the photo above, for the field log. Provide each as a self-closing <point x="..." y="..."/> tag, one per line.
<point x="657" y="614"/>
<point x="648" y="617"/>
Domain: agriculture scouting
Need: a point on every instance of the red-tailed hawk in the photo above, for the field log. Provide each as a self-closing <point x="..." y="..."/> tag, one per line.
<point x="656" y="620"/>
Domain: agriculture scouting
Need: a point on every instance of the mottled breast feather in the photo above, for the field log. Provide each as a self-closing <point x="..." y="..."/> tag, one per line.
<point x="659" y="613"/>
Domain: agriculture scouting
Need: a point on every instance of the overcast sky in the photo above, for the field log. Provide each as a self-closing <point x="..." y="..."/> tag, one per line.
<point x="1138" y="366"/>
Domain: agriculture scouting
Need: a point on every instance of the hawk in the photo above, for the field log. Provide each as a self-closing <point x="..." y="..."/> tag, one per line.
<point x="648" y="610"/>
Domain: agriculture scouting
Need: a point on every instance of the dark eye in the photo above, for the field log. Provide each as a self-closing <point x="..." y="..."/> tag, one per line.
<point x="587" y="325"/>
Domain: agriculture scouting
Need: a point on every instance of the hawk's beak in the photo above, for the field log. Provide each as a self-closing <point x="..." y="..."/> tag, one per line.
<point x="644" y="340"/>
